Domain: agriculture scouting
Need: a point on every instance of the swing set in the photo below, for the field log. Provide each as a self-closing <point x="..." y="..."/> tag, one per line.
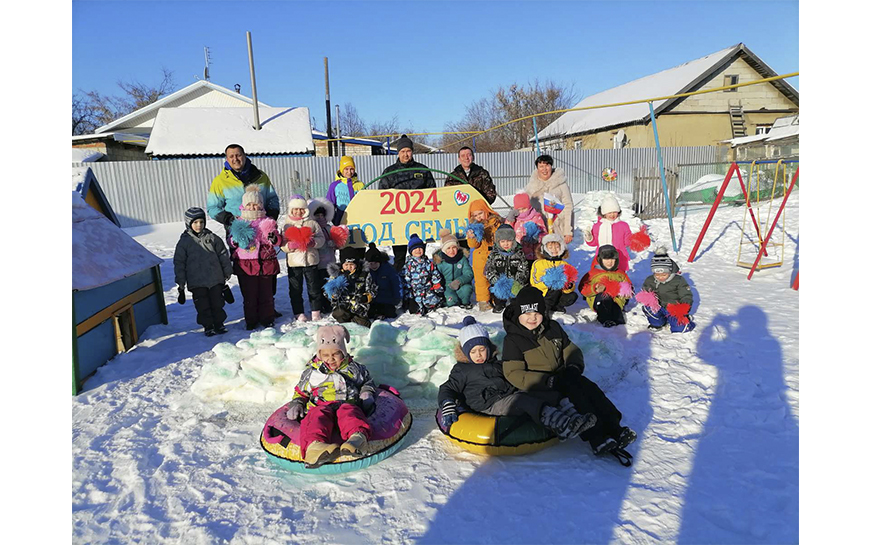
<point x="758" y="243"/>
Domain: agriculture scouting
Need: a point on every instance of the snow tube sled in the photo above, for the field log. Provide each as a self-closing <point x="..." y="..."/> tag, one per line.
<point x="390" y="422"/>
<point x="497" y="435"/>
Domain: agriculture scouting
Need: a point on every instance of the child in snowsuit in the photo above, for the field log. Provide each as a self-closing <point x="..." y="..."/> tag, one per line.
<point x="202" y="264"/>
<point x="351" y="289"/>
<point x="506" y="269"/>
<point x="477" y="382"/>
<point x="252" y="239"/>
<point x="483" y="223"/>
<point x="610" y="230"/>
<point x="387" y="281"/>
<point x="423" y="284"/>
<point x="529" y="226"/>
<point x="665" y="296"/>
<point x="456" y="271"/>
<point x="304" y="239"/>
<point x="334" y="391"/>
<point x="557" y="288"/>
<point x="538" y="356"/>
<point x="607" y="288"/>
<point x="321" y="210"/>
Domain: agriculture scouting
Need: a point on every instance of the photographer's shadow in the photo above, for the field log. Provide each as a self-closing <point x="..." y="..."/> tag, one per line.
<point x="744" y="486"/>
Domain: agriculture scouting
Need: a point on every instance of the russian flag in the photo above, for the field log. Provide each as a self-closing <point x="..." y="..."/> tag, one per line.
<point x="551" y="204"/>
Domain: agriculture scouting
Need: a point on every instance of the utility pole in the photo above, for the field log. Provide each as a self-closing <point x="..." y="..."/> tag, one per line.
<point x="329" y="122"/>
<point x="340" y="148"/>
<point x="253" y="84"/>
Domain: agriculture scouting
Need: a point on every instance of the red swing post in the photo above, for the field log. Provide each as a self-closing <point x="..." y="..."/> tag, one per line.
<point x="774" y="224"/>
<point x="733" y="168"/>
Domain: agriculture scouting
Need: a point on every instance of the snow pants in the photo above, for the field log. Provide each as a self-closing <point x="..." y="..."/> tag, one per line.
<point x="313" y="286"/>
<point x="343" y="316"/>
<point x="320" y="420"/>
<point x="529" y="403"/>
<point x="323" y="277"/>
<point x="209" y="303"/>
<point x="382" y="309"/>
<point x="661" y="318"/>
<point x="587" y="397"/>
<point x="479" y="260"/>
<point x="460" y="296"/>
<point x="558" y="300"/>
<point x="258" y="304"/>
<point x="607" y="310"/>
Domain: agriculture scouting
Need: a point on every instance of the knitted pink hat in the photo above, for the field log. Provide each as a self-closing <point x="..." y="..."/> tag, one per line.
<point x="522" y="200"/>
<point x="332" y="336"/>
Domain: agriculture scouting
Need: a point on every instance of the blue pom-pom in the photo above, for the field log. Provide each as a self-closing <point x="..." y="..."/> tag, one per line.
<point x="242" y="233"/>
<point x="469" y="320"/>
<point x="554" y="278"/>
<point x="531" y="230"/>
<point x="336" y="285"/>
<point x="502" y="288"/>
<point x="477" y="230"/>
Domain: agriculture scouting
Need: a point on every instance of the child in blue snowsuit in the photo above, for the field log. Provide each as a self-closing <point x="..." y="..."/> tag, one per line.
<point x="423" y="285"/>
<point x="666" y="298"/>
<point x="387" y="281"/>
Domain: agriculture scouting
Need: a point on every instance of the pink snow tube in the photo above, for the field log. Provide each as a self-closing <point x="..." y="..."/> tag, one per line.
<point x="390" y="422"/>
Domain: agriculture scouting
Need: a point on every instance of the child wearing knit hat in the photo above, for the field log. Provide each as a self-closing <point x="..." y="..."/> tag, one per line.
<point x="665" y="296"/>
<point x="538" y="356"/>
<point x="334" y="391"/>
<point x="201" y="263"/>
<point x="350" y="289"/>
<point x="476" y="382"/>
<point x="422" y="281"/>
<point x="456" y="271"/>
<point x="388" y="284"/>
<point x="528" y="225"/>
<point x="304" y="239"/>
<point x="506" y="269"/>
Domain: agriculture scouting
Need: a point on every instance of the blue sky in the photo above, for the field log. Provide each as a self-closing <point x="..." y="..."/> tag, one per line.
<point x="421" y="61"/>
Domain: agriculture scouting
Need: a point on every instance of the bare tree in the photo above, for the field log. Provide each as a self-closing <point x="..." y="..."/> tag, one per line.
<point x="508" y="104"/>
<point x="92" y="109"/>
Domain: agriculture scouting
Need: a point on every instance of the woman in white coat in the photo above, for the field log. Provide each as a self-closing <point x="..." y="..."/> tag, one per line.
<point x="547" y="179"/>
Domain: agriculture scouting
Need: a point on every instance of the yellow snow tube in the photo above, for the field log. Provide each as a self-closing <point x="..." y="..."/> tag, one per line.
<point x="497" y="435"/>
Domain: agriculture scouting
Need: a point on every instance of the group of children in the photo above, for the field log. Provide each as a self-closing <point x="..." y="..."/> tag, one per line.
<point x="507" y="256"/>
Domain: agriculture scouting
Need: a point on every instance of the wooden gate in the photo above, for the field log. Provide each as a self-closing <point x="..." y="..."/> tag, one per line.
<point x="648" y="201"/>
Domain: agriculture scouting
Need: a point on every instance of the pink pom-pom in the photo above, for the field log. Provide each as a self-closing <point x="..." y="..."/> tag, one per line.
<point x="264" y="228"/>
<point x="626" y="290"/>
<point x="640" y="239"/>
<point x="649" y="299"/>
<point x="679" y="311"/>
<point x="339" y="235"/>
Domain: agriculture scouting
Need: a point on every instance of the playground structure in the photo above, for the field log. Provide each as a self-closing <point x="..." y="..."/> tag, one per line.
<point x="759" y="243"/>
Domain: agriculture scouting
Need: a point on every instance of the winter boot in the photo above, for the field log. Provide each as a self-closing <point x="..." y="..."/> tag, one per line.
<point x="221" y="329"/>
<point x="555" y="420"/>
<point x="316" y="315"/>
<point x="606" y="445"/>
<point x="626" y="438"/>
<point x="624" y="457"/>
<point x="210" y="332"/>
<point x="484" y="306"/>
<point x="577" y="423"/>
<point x="301" y="317"/>
<point x="653" y="327"/>
<point x="354" y="445"/>
<point x="318" y="454"/>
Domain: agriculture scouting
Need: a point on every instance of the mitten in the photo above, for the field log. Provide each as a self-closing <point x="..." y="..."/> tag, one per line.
<point x="181" y="298"/>
<point x="296" y="411"/>
<point x="511" y="215"/>
<point x="449" y="413"/>
<point x="454" y="284"/>
<point x="225" y="218"/>
<point x="367" y="402"/>
<point x="516" y="288"/>
<point x="228" y="295"/>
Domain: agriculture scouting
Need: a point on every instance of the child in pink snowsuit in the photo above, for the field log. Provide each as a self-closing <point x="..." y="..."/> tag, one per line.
<point x="527" y="236"/>
<point x="334" y="390"/>
<point x="610" y="230"/>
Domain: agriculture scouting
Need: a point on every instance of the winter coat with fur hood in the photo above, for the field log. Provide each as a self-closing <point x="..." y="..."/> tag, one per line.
<point x="327" y="252"/>
<point x="557" y="186"/>
<point x="544" y="262"/>
<point x="456" y="268"/>
<point x="530" y="357"/>
<point x="617" y="285"/>
<point x="201" y="260"/>
<point x="318" y="384"/>
<point x="476" y="385"/>
<point x="256" y="257"/>
<point x="311" y="255"/>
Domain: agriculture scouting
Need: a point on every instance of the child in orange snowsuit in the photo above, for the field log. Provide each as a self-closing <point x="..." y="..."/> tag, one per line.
<point x="483" y="223"/>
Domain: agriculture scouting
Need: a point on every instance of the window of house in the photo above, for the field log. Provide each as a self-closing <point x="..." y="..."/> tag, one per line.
<point x="730" y="80"/>
<point x="763" y="129"/>
<point x="577" y="144"/>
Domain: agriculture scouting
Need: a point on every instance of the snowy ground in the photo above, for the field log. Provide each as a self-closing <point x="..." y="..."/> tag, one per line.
<point x="155" y="459"/>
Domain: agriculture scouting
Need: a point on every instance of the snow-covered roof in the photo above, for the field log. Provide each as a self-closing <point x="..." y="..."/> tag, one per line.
<point x="125" y="137"/>
<point x="102" y="252"/>
<point x="783" y="127"/>
<point x="207" y="131"/>
<point x="680" y="79"/>
<point x="86" y="155"/>
<point x="320" y="135"/>
<point x="181" y="95"/>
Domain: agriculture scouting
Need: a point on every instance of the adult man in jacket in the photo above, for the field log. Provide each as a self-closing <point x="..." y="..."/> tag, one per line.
<point x="420" y="178"/>
<point x="225" y="193"/>
<point x="473" y="175"/>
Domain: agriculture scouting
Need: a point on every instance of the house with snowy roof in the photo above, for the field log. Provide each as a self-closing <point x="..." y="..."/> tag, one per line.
<point x="779" y="142"/>
<point x="698" y="120"/>
<point x="117" y="290"/>
<point x="86" y="185"/>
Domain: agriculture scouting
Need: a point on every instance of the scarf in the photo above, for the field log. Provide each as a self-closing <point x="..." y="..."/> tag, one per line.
<point x="605" y="231"/>
<point x="248" y="173"/>
<point x="250" y="215"/>
<point x="453" y="260"/>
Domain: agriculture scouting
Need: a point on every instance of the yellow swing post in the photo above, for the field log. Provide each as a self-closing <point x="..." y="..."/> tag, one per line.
<point x="749" y="209"/>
